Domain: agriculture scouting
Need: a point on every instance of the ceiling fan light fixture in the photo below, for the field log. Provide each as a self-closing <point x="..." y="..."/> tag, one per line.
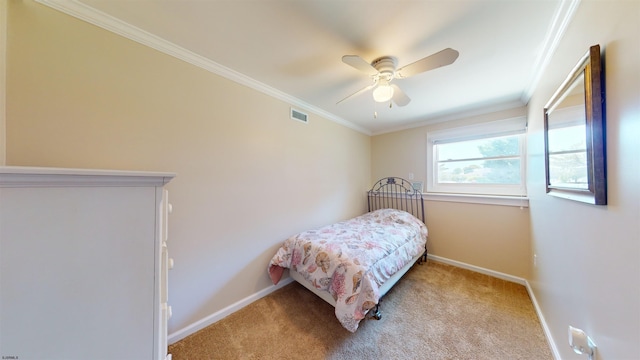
<point x="383" y="93"/>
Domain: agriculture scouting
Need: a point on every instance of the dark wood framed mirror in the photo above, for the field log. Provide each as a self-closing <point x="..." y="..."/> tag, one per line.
<point x="574" y="134"/>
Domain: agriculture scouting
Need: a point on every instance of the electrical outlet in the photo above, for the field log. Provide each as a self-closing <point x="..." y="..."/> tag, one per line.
<point x="535" y="260"/>
<point x="581" y="343"/>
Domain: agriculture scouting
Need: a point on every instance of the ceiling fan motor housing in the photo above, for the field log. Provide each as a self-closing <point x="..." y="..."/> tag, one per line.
<point x="386" y="66"/>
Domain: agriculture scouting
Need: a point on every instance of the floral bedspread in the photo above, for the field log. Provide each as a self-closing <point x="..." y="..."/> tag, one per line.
<point x="352" y="258"/>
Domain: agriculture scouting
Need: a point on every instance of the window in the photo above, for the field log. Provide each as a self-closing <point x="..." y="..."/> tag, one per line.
<point x="483" y="159"/>
<point x="567" y="149"/>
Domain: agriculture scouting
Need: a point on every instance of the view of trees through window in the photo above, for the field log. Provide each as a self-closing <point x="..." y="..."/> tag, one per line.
<point x="568" y="157"/>
<point x="494" y="160"/>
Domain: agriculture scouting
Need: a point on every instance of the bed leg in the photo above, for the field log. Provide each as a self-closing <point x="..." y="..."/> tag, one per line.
<point x="376" y="314"/>
<point x="423" y="258"/>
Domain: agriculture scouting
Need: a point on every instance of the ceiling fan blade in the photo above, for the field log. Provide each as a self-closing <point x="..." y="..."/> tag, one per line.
<point x="399" y="97"/>
<point x="358" y="92"/>
<point x="360" y="64"/>
<point x="441" y="58"/>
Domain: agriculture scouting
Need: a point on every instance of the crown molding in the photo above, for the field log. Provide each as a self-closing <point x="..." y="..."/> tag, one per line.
<point x="98" y="18"/>
<point x="561" y="20"/>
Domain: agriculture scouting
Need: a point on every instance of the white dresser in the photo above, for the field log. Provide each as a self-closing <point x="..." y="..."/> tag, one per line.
<point x="83" y="264"/>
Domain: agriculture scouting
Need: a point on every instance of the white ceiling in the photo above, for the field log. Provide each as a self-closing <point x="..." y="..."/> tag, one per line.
<point x="292" y="49"/>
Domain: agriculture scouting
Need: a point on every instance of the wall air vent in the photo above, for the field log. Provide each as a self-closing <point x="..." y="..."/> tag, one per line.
<point x="299" y="115"/>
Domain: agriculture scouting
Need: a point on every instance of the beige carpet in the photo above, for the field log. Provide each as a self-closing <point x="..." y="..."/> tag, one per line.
<point x="436" y="311"/>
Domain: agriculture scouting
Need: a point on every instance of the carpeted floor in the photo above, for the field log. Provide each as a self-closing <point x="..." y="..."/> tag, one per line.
<point x="436" y="311"/>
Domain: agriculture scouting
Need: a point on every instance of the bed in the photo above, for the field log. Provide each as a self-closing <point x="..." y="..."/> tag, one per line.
<point x="353" y="263"/>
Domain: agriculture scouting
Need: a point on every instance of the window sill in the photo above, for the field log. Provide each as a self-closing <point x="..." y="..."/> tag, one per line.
<point x="521" y="202"/>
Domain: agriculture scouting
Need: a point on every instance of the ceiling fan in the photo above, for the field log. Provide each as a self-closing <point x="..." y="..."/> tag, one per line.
<point x="383" y="70"/>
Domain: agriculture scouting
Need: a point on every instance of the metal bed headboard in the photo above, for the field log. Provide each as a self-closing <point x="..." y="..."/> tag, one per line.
<point x="396" y="193"/>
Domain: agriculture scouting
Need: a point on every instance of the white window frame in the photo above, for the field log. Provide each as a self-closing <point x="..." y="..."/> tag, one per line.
<point x="512" y="126"/>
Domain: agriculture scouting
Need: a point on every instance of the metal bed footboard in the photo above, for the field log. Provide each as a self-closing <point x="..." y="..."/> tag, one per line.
<point x="396" y="193"/>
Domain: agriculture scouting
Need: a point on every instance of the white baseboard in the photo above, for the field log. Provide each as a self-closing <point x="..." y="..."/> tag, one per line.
<point x="543" y="322"/>
<point x="496" y="274"/>
<point x="515" y="279"/>
<point x="219" y="315"/>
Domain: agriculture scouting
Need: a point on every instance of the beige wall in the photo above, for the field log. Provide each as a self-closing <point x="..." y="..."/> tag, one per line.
<point x="248" y="175"/>
<point x="3" y="88"/>
<point x="588" y="272"/>
<point x="493" y="237"/>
